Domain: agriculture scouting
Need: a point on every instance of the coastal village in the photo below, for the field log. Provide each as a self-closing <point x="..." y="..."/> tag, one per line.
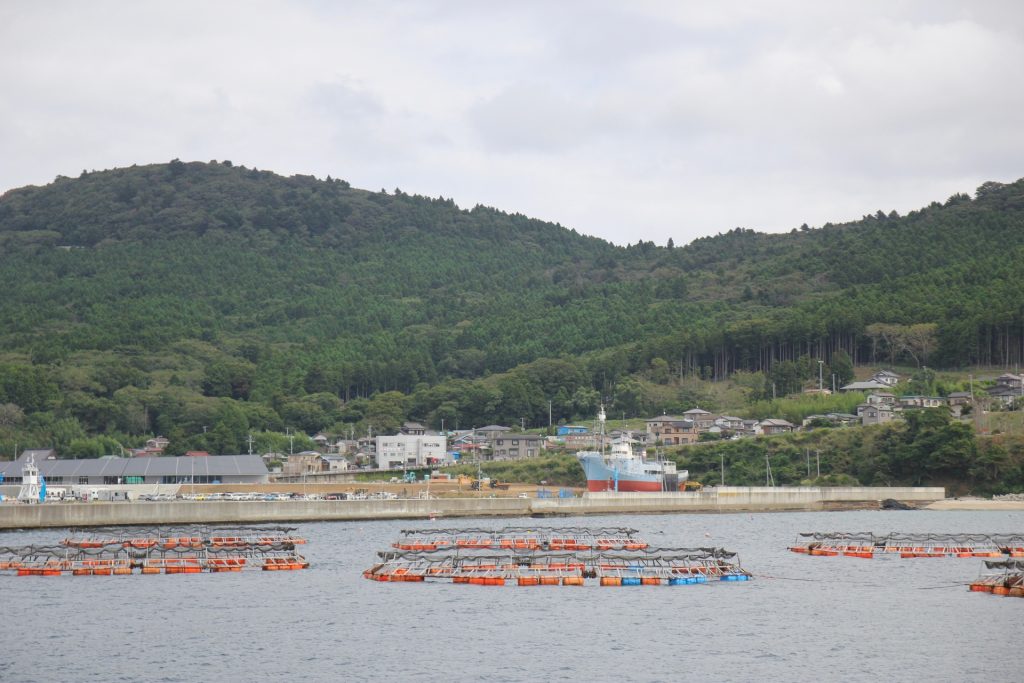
<point x="415" y="447"/>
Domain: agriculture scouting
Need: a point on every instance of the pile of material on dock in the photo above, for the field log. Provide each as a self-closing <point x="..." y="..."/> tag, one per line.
<point x="159" y="550"/>
<point x="549" y="556"/>
<point x="868" y="545"/>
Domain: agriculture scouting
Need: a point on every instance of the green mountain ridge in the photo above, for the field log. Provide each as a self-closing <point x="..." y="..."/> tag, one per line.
<point x="169" y="297"/>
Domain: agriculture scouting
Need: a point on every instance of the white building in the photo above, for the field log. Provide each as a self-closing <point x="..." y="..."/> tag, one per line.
<point x="411" y="450"/>
<point x="886" y="377"/>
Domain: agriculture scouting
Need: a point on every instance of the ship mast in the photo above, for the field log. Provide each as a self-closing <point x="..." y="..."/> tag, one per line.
<point x="601" y="417"/>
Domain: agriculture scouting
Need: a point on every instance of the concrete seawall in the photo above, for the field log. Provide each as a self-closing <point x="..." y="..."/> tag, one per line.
<point x="720" y="499"/>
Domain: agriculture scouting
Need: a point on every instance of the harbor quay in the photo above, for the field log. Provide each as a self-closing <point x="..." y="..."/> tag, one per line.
<point x="709" y="500"/>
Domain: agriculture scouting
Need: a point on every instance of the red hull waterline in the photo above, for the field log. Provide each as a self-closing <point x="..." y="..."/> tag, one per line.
<point x="625" y="486"/>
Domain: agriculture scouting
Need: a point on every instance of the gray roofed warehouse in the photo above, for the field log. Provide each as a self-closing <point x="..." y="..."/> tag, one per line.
<point x="224" y="469"/>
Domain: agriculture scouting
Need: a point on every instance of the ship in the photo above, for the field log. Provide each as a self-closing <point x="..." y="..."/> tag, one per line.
<point x="625" y="467"/>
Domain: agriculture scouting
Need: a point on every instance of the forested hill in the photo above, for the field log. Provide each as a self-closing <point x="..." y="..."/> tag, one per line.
<point x="140" y="299"/>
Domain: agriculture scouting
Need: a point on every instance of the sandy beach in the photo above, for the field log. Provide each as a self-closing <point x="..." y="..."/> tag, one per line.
<point x="975" y="504"/>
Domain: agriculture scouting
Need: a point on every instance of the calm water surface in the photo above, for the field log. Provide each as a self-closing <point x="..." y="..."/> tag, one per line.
<point x="801" y="619"/>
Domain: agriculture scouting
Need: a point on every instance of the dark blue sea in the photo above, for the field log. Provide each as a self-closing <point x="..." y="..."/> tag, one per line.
<point x="801" y="619"/>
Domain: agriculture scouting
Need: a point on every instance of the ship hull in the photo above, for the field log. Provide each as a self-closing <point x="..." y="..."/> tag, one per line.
<point x="624" y="485"/>
<point x="623" y="478"/>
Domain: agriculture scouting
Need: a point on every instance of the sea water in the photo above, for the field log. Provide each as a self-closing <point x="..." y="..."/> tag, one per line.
<point x="800" y="619"/>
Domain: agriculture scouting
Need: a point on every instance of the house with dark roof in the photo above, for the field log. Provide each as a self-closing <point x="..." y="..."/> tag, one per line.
<point x="516" y="446"/>
<point x="960" y="398"/>
<point x="912" y="401"/>
<point x="776" y="426"/>
<point x="870" y="385"/>
<point x="1011" y="380"/>
<point x="886" y="377"/>
<point x="875" y="413"/>
<point x="1004" y="395"/>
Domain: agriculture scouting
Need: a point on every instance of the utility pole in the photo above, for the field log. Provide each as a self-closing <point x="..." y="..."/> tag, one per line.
<point x="817" y="459"/>
<point x="722" y="456"/>
<point x="250" y="444"/>
<point x="821" y="364"/>
<point x="549" y="414"/>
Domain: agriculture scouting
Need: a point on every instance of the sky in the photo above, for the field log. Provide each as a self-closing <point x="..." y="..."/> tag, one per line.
<point x="645" y="120"/>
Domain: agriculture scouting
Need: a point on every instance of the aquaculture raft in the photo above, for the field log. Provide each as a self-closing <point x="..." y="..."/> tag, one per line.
<point x="161" y="550"/>
<point x="531" y="556"/>
<point x="869" y="545"/>
<point x="1009" y="581"/>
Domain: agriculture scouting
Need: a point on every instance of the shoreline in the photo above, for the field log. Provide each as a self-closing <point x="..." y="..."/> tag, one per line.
<point x="718" y="500"/>
<point x="976" y="504"/>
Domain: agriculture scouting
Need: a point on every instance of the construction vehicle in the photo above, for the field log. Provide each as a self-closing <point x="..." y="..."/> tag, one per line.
<point x="690" y="486"/>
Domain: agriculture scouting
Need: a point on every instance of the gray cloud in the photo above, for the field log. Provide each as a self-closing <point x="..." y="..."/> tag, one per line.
<point x="654" y="120"/>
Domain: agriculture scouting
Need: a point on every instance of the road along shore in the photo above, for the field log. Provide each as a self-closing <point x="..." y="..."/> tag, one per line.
<point x="710" y="500"/>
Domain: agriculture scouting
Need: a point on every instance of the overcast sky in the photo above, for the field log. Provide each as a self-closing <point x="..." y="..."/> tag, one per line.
<point x="638" y="120"/>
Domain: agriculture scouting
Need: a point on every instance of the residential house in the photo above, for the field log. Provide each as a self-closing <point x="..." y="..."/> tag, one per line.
<point x="336" y="462"/>
<point x="775" y="426"/>
<point x="911" y="401"/>
<point x="679" y="433"/>
<point x="701" y="418"/>
<point x="516" y="446"/>
<point x="751" y="428"/>
<point x="491" y="432"/>
<point x="886" y="377"/>
<point x="154" y="448"/>
<point x="158" y="443"/>
<point x="1010" y="380"/>
<point x="305" y="462"/>
<point x="635" y="435"/>
<point x="832" y="419"/>
<point x="671" y="430"/>
<point x="730" y="423"/>
<point x="1004" y="395"/>
<point x="875" y="413"/>
<point x="467" y="444"/>
<point x="882" y="398"/>
<point x="413" y="429"/>
<point x="960" y="398"/>
<point x="870" y="385"/>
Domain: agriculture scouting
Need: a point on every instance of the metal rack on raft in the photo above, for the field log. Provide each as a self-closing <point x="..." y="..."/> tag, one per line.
<point x="549" y="557"/>
<point x="522" y="538"/>
<point x="1009" y="581"/>
<point x="869" y="545"/>
<point x="166" y="550"/>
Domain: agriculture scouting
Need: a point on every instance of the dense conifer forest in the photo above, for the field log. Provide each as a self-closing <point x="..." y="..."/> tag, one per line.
<point x="205" y="301"/>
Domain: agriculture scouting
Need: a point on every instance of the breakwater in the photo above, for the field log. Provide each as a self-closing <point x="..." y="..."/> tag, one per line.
<point x="718" y="499"/>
